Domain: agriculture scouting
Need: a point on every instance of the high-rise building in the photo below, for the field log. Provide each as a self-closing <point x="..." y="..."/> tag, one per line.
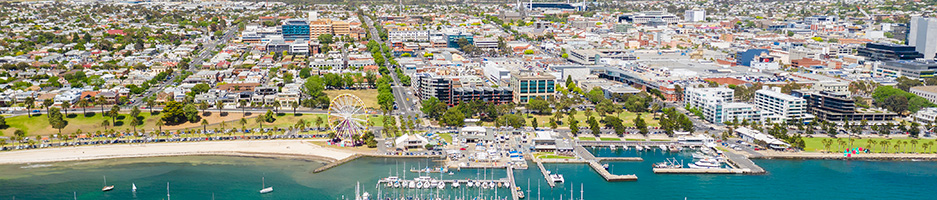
<point x="694" y="15"/>
<point x="786" y="107"/>
<point x="923" y="35"/>
<point x="528" y="85"/>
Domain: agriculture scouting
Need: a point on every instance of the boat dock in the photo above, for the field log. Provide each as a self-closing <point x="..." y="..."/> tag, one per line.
<point x="546" y="174"/>
<point x="696" y="171"/>
<point x="503" y="181"/>
<point x="609" y="176"/>
<point x="620" y="159"/>
<point x="743" y="163"/>
<point x="627" y="143"/>
<point x="512" y="184"/>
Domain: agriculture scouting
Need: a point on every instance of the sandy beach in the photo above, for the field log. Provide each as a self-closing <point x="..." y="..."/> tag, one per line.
<point x="302" y="149"/>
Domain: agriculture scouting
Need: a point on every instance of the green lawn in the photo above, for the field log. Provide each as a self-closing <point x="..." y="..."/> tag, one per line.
<point x="39" y="124"/>
<point x="447" y="137"/>
<point x="611" y="139"/>
<point x="632" y="139"/>
<point x="660" y="140"/>
<point x="816" y="144"/>
<point x="587" y="138"/>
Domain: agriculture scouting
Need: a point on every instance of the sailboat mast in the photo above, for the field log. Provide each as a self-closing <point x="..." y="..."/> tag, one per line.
<point x="167" y="191"/>
<point x="580" y="191"/>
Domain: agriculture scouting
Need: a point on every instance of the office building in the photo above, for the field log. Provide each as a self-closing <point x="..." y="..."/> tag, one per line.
<point x="923" y="36"/>
<point x="926" y="115"/>
<point x="832" y="86"/>
<point x="837" y="107"/>
<point x="341" y="28"/>
<point x="593" y="56"/>
<point x="888" y="51"/>
<point x="294" y="29"/>
<point x="789" y="109"/>
<point x="928" y="92"/>
<point x="915" y="69"/>
<point x="694" y="15"/>
<point x="528" y="85"/>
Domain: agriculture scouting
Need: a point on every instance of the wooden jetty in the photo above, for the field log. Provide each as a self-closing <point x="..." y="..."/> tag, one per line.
<point x="609" y="176"/>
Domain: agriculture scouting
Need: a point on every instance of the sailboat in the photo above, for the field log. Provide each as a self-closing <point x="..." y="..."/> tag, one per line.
<point x="133" y="187"/>
<point x="106" y="187"/>
<point x="266" y="189"/>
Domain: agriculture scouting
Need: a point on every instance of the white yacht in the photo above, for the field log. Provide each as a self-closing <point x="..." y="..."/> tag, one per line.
<point x="455" y="184"/>
<point x="557" y="178"/>
<point x="705" y="164"/>
<point x="639" y="147"/>
<point x="662" y="147"/>
<point x="411" y="184"/>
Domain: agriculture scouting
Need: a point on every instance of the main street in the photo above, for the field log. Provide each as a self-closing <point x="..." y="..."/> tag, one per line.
<point x="402" y="96"/>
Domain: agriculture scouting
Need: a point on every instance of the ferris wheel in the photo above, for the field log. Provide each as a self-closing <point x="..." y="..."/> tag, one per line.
<point x="346" y="115"/>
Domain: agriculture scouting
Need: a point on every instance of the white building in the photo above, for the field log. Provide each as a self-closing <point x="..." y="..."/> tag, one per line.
<point x="928" y="92"/>
<point x="925" y="115"/>
<point x="922" y="36"/>
<point x="404" y="36"/>
<point x="756" y="137"/>
<point x="717" y="106"/>
<point x="832" y="86"/>
<point x="788" y="108"/>
<point x="694" y="15"/>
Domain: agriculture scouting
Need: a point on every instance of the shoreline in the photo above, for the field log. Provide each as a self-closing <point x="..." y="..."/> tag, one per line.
<point x="290" y="149"/>
<point x="835" y="156"/>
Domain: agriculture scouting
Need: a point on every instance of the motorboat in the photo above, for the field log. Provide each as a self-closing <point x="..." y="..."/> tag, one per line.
<point x="419" y="184"/>
<point x="441" y="186"/>
<point x="455" y="184"/>
<point x="647" y="147"/>
<point x="427" y="185"/>
<point x="639" y="147"/>
<point x="411" y="184"/>
<point x="396" y="184"/>
<point x="612" y="147"/>
<point x="662" y="147"/>
<point x="470" y="184"/>
<point x="698" y="155"/>
<point x="484" y="185"/>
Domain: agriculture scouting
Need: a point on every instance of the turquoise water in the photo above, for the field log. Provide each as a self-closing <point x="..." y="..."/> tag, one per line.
<point x="201" y="177"/>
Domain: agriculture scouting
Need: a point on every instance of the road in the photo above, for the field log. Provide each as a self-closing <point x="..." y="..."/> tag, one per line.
<point x="402" y="96"/>
<point x="194" y="65"/>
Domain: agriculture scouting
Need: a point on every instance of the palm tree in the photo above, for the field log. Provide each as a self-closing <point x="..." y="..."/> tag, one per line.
<point x="276" y="107"/>
<point x="871" y="143"/>
<point x="897" y="146"/>
<point x="30" y="103"/>
<point x="83" y="103"/>
<point x="205" y="126"/>
<point x="65" y="106"/>
<point x="260" y="121"/>
<point x="105" y="123"/>
<point x="827" y="143"/>
<point x="319" y="122"/>
<point x="101" y="101"/>
<point x="242" y="103"/>
<point x="913" y="146"/>
<point x="150" y="103"/>
<point x="219" y="105"/>
<point x="884" y="144"/>
<point x="294" y="105"/>
<point x="159" y="123"/>
<point x="242" y="122"/>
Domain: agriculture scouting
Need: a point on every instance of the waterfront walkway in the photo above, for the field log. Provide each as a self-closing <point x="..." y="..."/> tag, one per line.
<point x="609" y="176"/>
<point x="546" y="174"/>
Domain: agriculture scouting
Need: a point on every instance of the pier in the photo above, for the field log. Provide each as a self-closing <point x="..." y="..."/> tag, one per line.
<point x="512" y="183"/>
<point x="609" y="176"/>
<point x="696" y="171"/>
<point x="546" y="174"/>
<point x="743" y="163"/>
<point x="620" y="159"/>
